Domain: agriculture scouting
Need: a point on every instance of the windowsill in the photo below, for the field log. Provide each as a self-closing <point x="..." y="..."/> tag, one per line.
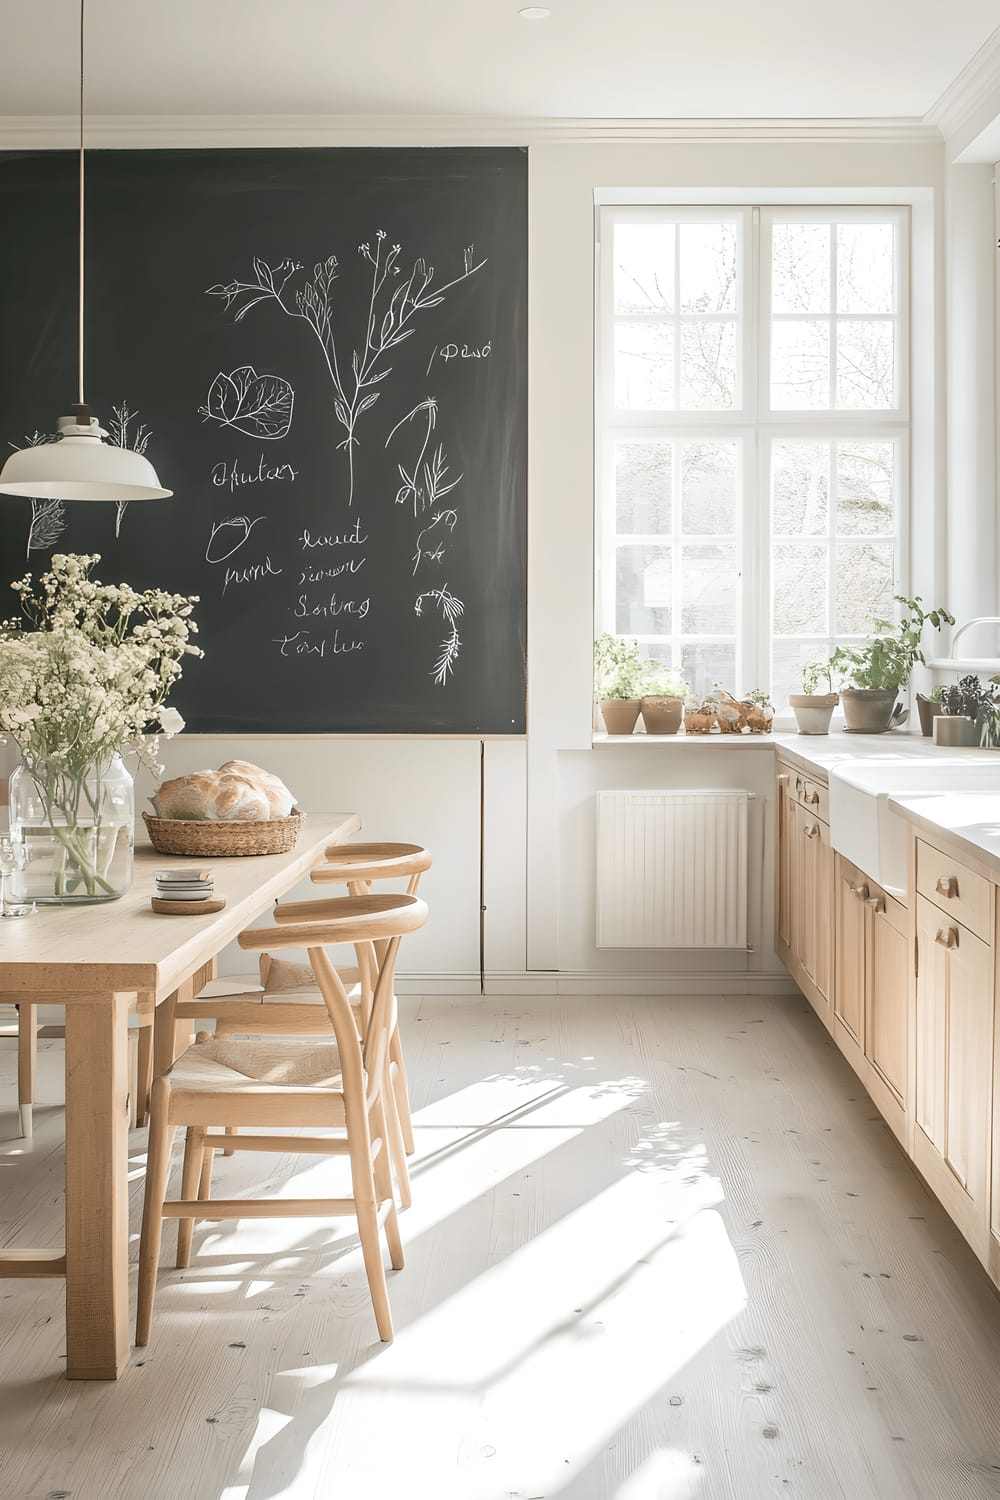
<point x="600" y="741"/>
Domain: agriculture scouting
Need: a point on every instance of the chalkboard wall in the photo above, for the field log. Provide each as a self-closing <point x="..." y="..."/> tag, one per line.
<point x="324" y="354"/>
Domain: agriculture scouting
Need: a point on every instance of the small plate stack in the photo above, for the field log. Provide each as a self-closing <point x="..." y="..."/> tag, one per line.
<point x="184" y="885"/>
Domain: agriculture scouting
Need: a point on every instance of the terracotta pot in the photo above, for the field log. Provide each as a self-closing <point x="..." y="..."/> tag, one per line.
<point x="870" y="710"/>
<point x="620" y="714"/>
<point x="927" y="708"/>
<point x="662" y="715"/>
<point x="813" y="711"/>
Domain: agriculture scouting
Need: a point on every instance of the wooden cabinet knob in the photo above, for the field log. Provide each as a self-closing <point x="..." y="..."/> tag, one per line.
<point x="947" y="937"/>
<point x="811" y="795"/>
<point x="861" y="891"/>
<point x="812" y="832"/>
<point x="947" y="886"/>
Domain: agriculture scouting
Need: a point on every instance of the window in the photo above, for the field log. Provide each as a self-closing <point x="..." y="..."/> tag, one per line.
<point x="752" y="428"/>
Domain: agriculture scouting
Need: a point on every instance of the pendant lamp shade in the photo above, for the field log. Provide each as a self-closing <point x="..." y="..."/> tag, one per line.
<point x="80" y="465"/>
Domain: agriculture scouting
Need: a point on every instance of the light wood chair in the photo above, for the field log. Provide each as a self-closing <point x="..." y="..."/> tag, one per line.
<point x="242" y="1009"/>
<point x="262" y="1083"/>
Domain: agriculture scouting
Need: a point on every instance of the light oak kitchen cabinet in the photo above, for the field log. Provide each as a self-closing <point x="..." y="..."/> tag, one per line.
<point x="954" y="1037"/>
<point x="804" y="937"/>
<point x="871" y="988"/>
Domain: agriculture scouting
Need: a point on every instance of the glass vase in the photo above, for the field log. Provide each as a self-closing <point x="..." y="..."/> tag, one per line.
<point x="78" y="831"/>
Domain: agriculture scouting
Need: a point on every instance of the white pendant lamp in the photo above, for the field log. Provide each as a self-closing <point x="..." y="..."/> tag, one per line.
<point x="79" y="463"/>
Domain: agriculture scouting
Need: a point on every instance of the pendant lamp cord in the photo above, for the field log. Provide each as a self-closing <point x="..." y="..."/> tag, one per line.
<point x="80" y="294"/>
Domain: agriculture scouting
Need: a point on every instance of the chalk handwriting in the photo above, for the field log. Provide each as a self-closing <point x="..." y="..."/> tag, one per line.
<point x="300" y="644"/>
<point x="233" y="476"/>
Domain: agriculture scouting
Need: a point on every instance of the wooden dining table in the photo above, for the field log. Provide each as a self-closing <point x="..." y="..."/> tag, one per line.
<point x="100" y="961"/>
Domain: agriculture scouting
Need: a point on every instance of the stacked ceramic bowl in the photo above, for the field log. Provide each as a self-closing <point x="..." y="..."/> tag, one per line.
<point x="184" y="885"/>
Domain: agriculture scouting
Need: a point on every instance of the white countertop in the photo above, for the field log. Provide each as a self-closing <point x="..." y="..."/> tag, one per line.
<point x="969" y="817"/>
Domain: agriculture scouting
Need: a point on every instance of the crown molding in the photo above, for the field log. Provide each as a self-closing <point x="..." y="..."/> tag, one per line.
<point x="33" y="132"/>
<point x="975" y="86"/>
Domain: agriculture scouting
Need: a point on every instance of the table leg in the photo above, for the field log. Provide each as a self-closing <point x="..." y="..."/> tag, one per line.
<point x="97" y="1342"/>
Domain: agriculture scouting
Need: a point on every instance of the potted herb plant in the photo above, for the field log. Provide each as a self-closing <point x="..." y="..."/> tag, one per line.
<point x="872" y="674"/>
<point x="968" y="712"/>
<point x="618" y="682"/>
<point x="663" y="699"/>
<point x="813" y="710"/>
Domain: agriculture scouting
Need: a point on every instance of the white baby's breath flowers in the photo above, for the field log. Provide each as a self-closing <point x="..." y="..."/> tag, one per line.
<point x="88" y="678"/>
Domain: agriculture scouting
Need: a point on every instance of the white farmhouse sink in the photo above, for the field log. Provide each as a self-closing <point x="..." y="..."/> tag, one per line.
<point x="868" y="831"/>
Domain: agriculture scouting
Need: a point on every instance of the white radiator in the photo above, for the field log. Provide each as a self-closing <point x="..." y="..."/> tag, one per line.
<point x="672" y="869"/>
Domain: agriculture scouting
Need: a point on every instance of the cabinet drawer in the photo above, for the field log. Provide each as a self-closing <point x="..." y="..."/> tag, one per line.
<point x="964" y="896"/>
<point x="813" y="795"/>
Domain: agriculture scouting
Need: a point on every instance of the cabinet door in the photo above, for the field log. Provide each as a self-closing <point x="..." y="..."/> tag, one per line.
<point x="886" y="1020"/>
<point x="954" y="1047"/>
<point x="931" y="1024"/>
<point x="852" y="892"/>
<point x="812" y="909"/>
<point x="785" y="841"/>
<point x="970" y="1063"/>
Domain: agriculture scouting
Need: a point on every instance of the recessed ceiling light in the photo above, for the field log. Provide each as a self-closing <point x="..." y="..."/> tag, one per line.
<point x="535" y="13"/>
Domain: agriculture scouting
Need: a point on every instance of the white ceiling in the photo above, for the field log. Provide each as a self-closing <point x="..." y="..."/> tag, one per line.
<point x="619" y="58"/>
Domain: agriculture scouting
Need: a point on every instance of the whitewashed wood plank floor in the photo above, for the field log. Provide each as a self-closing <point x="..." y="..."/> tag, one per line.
<point x="660" y="1249"/>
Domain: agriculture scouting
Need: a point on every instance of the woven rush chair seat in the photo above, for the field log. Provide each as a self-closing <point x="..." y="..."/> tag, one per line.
<point x="260" y="1066"/>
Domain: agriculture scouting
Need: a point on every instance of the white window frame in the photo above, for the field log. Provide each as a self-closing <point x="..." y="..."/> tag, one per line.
<point x="754" y="423"/>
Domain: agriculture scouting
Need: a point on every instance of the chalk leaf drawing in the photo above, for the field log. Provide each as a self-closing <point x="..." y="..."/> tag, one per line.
<point x="393" y="297"/>
<point x="122" y="433"/>
<point x="260" y="406"/>
<point x="451" y="610"/>
<point x="228" y="536"/>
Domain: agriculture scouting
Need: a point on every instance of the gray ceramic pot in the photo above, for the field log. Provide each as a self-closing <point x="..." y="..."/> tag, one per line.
<point x="870" y="710"/>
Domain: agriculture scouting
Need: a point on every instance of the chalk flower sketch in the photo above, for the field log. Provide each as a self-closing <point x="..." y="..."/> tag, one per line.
<point x="393" y="299"/>
<point x="427" y="482"/>
<point x="451" y="610"/>
<point x="48" y="517"/>
<point x="431" y="541"/>
<point x="260" y="406"/>
<point x="121" y="432"/>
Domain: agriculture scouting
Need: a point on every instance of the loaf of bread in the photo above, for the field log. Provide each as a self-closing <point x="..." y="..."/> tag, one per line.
<point x="236" y="791"/>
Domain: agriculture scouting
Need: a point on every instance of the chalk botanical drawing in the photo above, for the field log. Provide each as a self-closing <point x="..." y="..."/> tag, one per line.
<point x="259" y="406"/>
<point x="120" y="432"/>
<point x="431" y="541"/>
<point x="228" y="536"/>
<point x="393" y="300"/>
<point x="48" y="517"/>
<point x="451" y="610"/>
<point x="427" y="482"/>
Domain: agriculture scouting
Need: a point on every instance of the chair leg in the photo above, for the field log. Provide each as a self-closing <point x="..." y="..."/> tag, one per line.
<point x="397" y="1149"/>
<point x="383" y="1191"/>
<point x="190" y="1180"/>
<point x="230" y="1130"/>
<point x="401" y="1090"/>
<point x="157" y="1173"/>
<point x="27" y="1060"/>
<point x="205" y="1180"/>
<point x="363" y="1182"/>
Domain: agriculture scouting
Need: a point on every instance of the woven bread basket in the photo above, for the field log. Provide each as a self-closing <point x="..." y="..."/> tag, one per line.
<point x="203" y="837"/>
